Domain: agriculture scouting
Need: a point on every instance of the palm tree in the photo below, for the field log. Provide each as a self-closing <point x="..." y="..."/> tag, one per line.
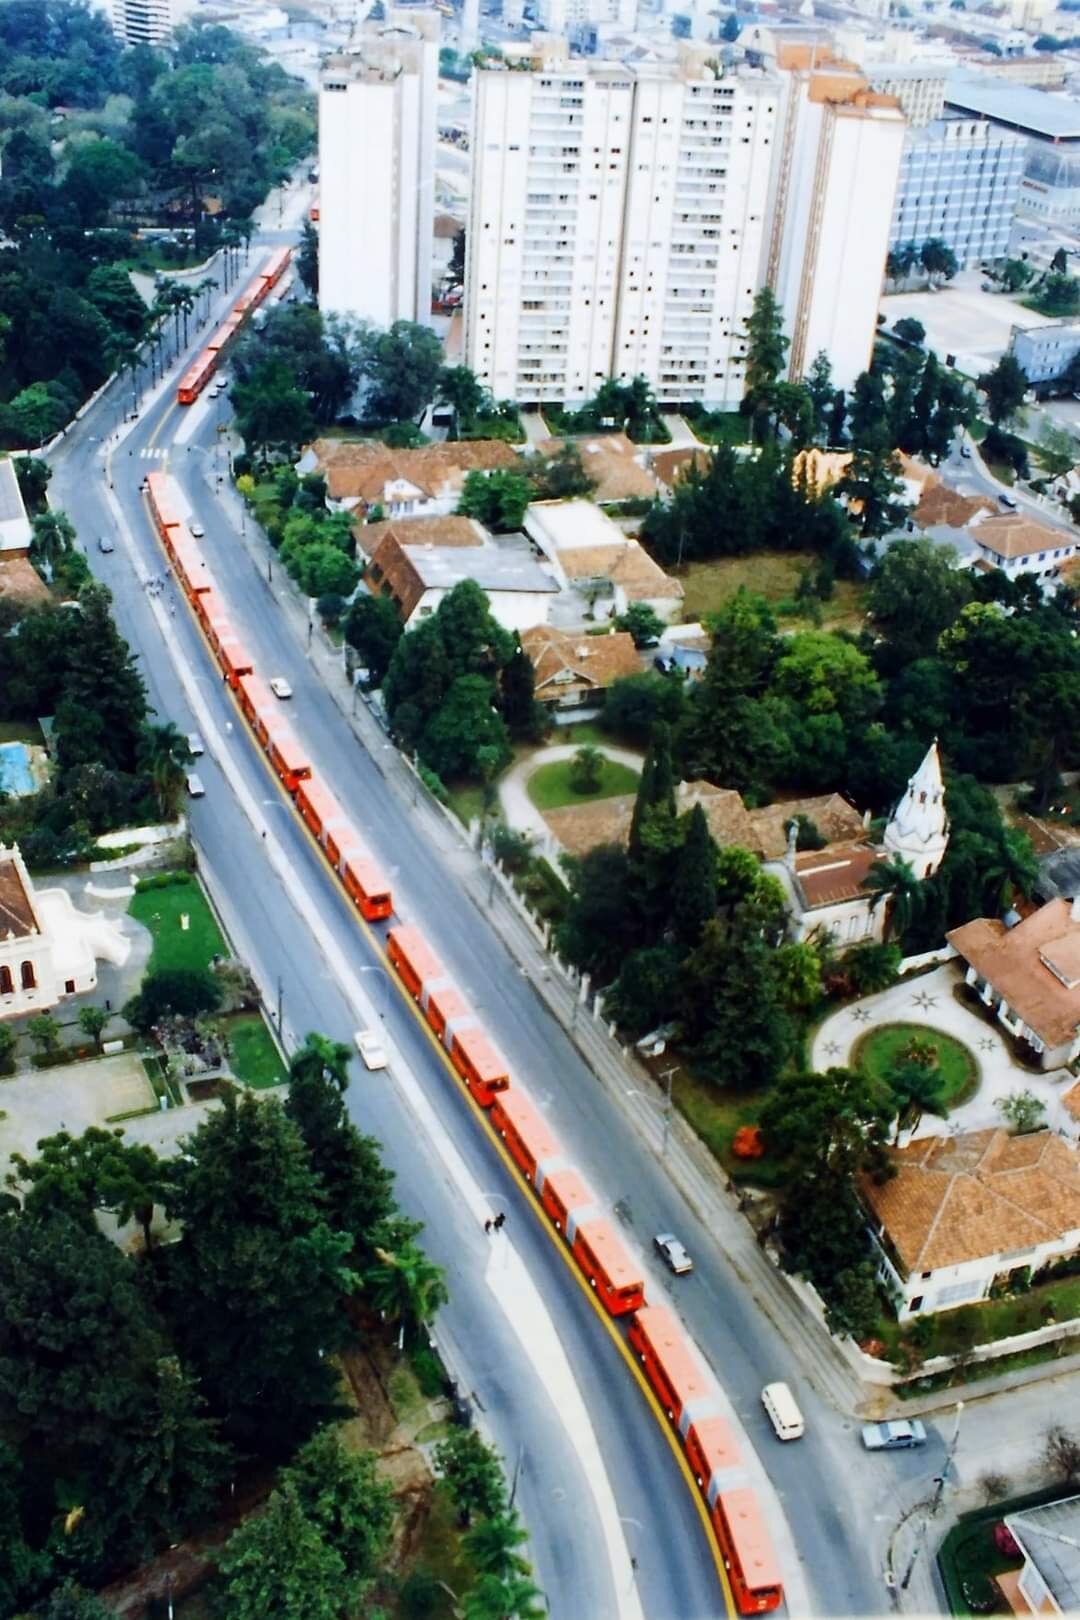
<point x="405" y="1285"/>
<point x="459" y="388"/>
<point x="321" y="1057"/>
<point x="493" y="1599"/>
<point x="917" y="1090"/>
<point x="894" y="882"/>
<point x="492" y="1546"/>
<point x="52" y="537"/>
<point x="165" y="756"/>
<point x="640" y="407"/>
<point x="184" y="300"/>
<point x="1013" y="870"/>
<point x="204" y="289"/>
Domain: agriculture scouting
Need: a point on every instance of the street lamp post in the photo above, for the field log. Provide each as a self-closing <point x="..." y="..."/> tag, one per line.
<point x="385" y="988"/>
<point x="667" y="1077"/>
<point x="935" y="1500"/>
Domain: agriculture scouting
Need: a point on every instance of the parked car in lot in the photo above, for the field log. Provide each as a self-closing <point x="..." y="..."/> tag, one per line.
<point x="370" y="1046"/>
<point x="280" y="687"/>
<point x="893" y="1436"/>
<point x="195" y="785"/>
<point x="673" y="1254"/>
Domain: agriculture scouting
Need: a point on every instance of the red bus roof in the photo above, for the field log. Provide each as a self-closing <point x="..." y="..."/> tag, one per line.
<point x="718" y="1447"/>
<point x="611" y="1253"/>
<point x="235" y="655"/>
<point x="369" y="875"/>
<point x="750" y="1539"/>
<point x="528" y="1122"/>
<point x="416" y="951"/>
<point x="190" y="561"/>
<point x="161" y="494"/>
<point x="323" y="803"/>
<point x="257" y="693"/>
<point x="286" y="743"/>
<point x="658" y="1327"/>
<point x="482" y="1053"/>
<point x="570" y="1189"/>
<point x="211" y="607"/>
<point x="224" y="332"/>
<point x="449" y="1001"/>
<point x="276" y="263"/>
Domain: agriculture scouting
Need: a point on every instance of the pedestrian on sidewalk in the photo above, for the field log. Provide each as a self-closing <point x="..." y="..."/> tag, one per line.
<point x="500" y="1221"/>
<point x="487" y="1226"/>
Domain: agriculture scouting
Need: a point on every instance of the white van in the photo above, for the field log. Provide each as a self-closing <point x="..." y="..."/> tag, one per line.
<point x="784" y="1414"/>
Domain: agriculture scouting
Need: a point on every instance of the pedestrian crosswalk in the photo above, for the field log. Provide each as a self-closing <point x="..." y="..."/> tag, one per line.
<point x="155" y="454"/>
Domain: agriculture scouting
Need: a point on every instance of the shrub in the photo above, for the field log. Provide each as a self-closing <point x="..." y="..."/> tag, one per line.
<point x="187" y="992"/>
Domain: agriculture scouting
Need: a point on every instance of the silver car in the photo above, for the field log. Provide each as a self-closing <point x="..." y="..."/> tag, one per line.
<point x="893" y="1436"/>
<point x="672" y="1253"/>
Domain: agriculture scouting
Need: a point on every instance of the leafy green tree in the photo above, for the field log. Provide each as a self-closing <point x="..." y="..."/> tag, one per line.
<point x="110" y="290"/>
<point x="587" y="769"/>
<point x="643" y="623"/>
<point x="92" y="1022"/>
<point x="909" y="330"/>
<point x="561" y="477"/>
<point x="824" y="674"/>
<point x="1023" y="1111"/>
<point x="869" y="409"/>
<point x="71" y="1602"/>
<point x="1007" y="448"/>
<point x="1015" y="274"/>
<point x="461" y="638"/>
<point x="98" y="1170"/>
<point x="8" y="1042"/>
<point x="1058" y="294"/>
<point x="766" y="354"/>
<point x="493" y="1546"/>
<point x="693" y="889"/>
<point x="497" y="499"/>
<point x="494" y="1599"/>
<point x="894" y="883"/>
<point x="916" y="1090"/>
<point x="166" y="757"/>
<point x="798" y="976"/>
<point x="53" y="535"/>
<point x="272" y="411"/>
<point x="646" y="990"/>
<point x="173" y="992"/>
<point x="259" y="1279"/>
<point x="459" y="388"/>
<point x="602" y="923"/>
<point x="401" y="368"/>
<point x="526" y="718"/>
<point x="732" y="1009"/>
<point x="340" y="1493"/>
<point x="656" y="786"/>
<point x="405" y="1285"/>
<point x="44" y="1030"/>
<point x="23" y="1570"/>
<point x="373" y="626"/>
<point x="635" y="703"/>
<point x="103" y="702"/>
<point x="871" y="967"/>
<point x="1004" y="386"/>
<point x="819" y="386"/>
<point x="938" y="259"/>
<point x="916" y="592"/>
<point x="277" y="1562"/>
<point x="828" y="1125"/>
<point x="473" y="1476"/>
<point x="465" y="724"/>
<point x="307" y="259"/>
<point x="872" y="485"/>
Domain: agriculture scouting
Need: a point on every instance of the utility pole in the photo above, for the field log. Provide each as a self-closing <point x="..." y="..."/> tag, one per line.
<point x="935" y="1500"/>
<point x="280" y="998"/>
<point x="667" y="1077"/>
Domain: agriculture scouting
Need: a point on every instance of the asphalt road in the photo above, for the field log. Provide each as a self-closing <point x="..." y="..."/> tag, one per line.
<point x="838" y="1501"/>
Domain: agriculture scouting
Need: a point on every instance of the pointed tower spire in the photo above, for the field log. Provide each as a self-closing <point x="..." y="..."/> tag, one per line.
<point x="918" y="829"/>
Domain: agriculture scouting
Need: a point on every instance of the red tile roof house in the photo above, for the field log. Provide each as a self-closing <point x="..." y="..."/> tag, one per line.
<point x="405" y="483"/>
<point x="1030" y="975"/>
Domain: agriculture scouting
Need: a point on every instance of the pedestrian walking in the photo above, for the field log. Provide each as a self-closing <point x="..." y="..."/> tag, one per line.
<point x="487" y="1226"/>
<point x="500" y="1221"/>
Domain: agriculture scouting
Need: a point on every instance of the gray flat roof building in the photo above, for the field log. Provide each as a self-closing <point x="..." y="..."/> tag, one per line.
<point x="1016" y="106"/>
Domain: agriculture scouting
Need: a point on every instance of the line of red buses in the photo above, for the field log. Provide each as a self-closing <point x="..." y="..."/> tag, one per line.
<point x="202" y="368"/>
<point x="686" y="1393"/>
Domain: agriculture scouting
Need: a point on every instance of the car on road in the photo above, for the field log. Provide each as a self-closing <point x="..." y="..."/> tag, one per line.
<point x="1009" y="501"/>
<point x="195" y="785"/>
<point x="280" y="687"/>
<point x="197" y="530"/>
<point x="195" y="743"/>
<point x="672" y="1253"/>
<point x="893" y="1436"/>
<point x="105" y="544"/>
<point x="370" y="1046"/>
<point x="965" y="451"/>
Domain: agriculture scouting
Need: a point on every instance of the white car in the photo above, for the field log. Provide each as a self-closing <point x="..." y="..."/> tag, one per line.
<point x="195" y="785"/>
<point x="893" y="1436"/>
<point x="672" y="1253"/>
<point x="197" y="531"/>
<point x="280" y="687"/>
<point x="195" y="743"/>
<point x="369" y="1045"/>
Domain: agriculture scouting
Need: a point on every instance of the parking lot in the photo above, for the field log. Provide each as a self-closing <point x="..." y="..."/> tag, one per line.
<point x="962" y="320"/>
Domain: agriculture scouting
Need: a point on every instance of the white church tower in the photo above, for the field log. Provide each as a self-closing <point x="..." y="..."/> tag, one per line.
<point x="918" y="829"/>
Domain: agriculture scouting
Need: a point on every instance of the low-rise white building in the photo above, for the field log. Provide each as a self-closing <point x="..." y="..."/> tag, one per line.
<point x="416" y="578"/>
<point x="48" y="949"/>
<point x="588" y="552"/>
<point x="964" y="1210"/>
<point x="1030" y="975"/>
<point x="426" y="482"/>
<point x="1018" y="544"/>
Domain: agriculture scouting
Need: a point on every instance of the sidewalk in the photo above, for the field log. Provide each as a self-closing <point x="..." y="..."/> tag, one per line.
<point x="518" y="808"/>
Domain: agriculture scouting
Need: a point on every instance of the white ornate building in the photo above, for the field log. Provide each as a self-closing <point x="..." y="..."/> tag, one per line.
<point x="48" y="949"/>
<point x="919" y="829"/>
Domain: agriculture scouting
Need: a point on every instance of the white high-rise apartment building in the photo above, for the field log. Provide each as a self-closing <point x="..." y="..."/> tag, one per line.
<point x="148" y="22"/>
<point x="377" y="127"/>
<point x="834" y="176"/>
<point x="616" y="225"/>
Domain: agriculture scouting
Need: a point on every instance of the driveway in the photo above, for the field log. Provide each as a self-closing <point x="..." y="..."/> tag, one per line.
<point x="683" y="436"/>
<point x="929" y="1001"/>
<point x="518" y="809"/>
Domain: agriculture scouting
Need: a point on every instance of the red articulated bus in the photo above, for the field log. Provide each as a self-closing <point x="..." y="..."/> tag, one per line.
<point x="525" y="1132"/>
<point x="413" y="957"/>
<point x="196" y="376"/>
<point x="157" y="488"/>
<point x="749" y="1558"/>
<point x="276" y="266"/>
<point x="255" y="699"/>
<point x="479" y="1062"/>
<point x="366" y="884"/>
<point x="671" y="1368"/>
<point x="604" y="1260"/>
<point x="446" y="1009"/>
<point x="208" y="605"/>
<point x="190" y="564"/>
<point x="288" y="758"/>
<point x="235" y="660"/>
<point x="320" y="809"/>
<point x="564" y="1193"/>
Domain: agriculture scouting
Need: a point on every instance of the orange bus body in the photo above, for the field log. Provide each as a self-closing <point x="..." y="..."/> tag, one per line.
<point x="276" y="266"/>
<point x="564" y="1193"/>
<point x="286" y="755"/>
<point x="366" y="883"/>
<point x="190" y="565"/>
<point x="157" y="487"/>
<point x="525" y="1132"/>
<point x="196" y="376"/>
<point x="480" y="1063"/>
<point x="218" y="626"/>
<point x="748" y="1551"/>
<point x="319" y="808"/>
<point x="235" y="660"/>
<point x="446" y="1009"/>
<point x="209" y="605"/>
<point x="670" y="1367"/>
<point x="254" y="698"/>
<point x="413" y="957"/>
<point x="713" y="1453"/>
<point x="609" y="1268"/>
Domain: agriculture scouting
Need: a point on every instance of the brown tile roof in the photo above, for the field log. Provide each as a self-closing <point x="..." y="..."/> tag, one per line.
<point x="580" y="827"/>
<point x="829" y="876"/>
<point x="420" y="531"/>
<point x="592" y="661"/>
<point x="21" y="582"/>
<point x="1016" y="961"/>
<point x="589" y="562"/>
<point x="729" y="820"/>
<point x="670" y="465"/>
<point x="969" y="1197"/>
<point x="836" y="820"/>
<point x="393" y="573"/>
<point x="362" y="471"/>
<point x="1070" y="1100"/>
<point x="1013" y="534"/>
<point x="822" y="468"/>
<point x="17" y="918"/>
<point x="640" y="577"/>
<point x="609" y="460"/>
<point x="941" y="506"/>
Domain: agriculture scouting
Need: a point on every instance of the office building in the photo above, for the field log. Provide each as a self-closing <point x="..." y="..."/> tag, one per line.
<point x="1045" y="353"/>
<point x="377" y="124"/>
<point x="919" y="87"/>
<point x="834" y="172"/>
<point x="1050" y="190"/>
<point x="616" y="225"/>
<point x="960" y="180"/>
<point x="148" y="22"/>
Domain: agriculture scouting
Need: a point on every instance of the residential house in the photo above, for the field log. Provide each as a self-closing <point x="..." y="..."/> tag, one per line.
<point x="1049" y="1538"/>
<point x="15" y="526"/>
<point x="1029" y="975"/>
<point x="421" y="531"/>
<point x="589" y="552"/>
<point x="617" y="467"/>
<point x="1019" y="544"/>
<point x="416" y="578"/>
<point x="48" y="950"/>
<point x="572" y="671"/>
<point x="581" y="827"/>
<point x="962" y="1211"/>
<point x="671" y="465"/>
<point x="404" y="483"/>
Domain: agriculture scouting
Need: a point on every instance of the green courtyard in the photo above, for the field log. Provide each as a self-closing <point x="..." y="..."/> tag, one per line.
<point x="550" y="787"/>
<point x="881" y="1052"/>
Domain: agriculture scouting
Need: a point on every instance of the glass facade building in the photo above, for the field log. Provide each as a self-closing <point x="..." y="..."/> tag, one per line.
<point x="959" y="180"/>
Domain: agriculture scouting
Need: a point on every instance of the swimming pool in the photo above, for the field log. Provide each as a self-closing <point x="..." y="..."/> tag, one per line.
<point x="16" y="777"/>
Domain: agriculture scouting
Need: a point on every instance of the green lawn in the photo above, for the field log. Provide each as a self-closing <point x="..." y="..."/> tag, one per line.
<point x="879" y="1052"/>
<point x="255" y="1059"/>
<point x="160" y="910"/>
<point x="951" y="1332"/>
<point x="549" y="787"/>
<point x="771" y="574"/>
<point x="716" y="1115"/>
<point x="720" y="427"/>
<point x="467" y="801"/>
